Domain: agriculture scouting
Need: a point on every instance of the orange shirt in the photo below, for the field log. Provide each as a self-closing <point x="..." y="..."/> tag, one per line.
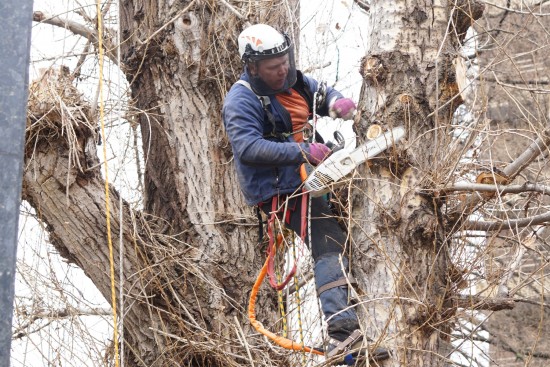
<point x="296" y="105"/>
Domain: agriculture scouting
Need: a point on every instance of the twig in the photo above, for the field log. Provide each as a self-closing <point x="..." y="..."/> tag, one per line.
<point x="240" y="334"/>
<point x="234" y="11"/>
<point x="517" y="11"/>
<point x="532" y="90"/>
<point x="55" y="315"/>
<point x="316" y="67"/>
<point x="533" y="151"/>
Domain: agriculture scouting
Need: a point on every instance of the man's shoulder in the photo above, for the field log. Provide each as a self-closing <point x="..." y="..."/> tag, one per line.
<point x="241" y="98"/>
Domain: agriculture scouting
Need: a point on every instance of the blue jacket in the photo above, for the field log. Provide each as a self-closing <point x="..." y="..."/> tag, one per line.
<point x="267" y="166"/>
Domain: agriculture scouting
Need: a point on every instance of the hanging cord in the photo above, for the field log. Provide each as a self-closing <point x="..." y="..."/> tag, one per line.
<point x="272" y="250"/>
<point x="121" y="242"/>
<point x="279" y="340"/>
<point x="280" y="299"/>
<point x="121" y="283"/>
<point x="107" y="199"/>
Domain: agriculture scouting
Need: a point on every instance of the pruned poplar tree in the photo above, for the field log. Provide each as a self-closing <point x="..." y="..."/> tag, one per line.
<point x="191" y="251"/>
<point x="410" y="216"/>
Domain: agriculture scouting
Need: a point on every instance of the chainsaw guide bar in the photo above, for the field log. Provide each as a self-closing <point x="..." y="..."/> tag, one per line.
<point x="342" y="162"/>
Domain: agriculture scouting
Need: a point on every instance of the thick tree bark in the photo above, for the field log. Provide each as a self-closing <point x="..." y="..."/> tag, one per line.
<point x="400" y="249"/>
<point x="191" y="256"/>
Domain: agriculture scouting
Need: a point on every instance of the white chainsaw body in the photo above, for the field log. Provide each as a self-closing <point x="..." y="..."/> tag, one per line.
<point x="343" y="162"/>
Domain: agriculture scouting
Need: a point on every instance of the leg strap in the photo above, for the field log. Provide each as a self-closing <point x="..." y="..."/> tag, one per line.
<point x="337" y="283"/>
<point x="345" y="344"/>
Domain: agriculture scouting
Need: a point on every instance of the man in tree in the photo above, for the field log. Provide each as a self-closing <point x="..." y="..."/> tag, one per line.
<point x="265" y="114"/>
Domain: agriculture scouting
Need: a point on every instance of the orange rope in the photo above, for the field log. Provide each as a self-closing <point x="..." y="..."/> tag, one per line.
<point x="279" y="340"/>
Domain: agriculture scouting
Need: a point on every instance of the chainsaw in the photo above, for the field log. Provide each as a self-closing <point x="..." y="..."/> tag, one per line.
<point x="319" y="180"/>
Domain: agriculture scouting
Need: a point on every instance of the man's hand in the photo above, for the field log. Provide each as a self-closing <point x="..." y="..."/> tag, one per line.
<point x="343" y="108"/>
<point x="317" y="153"/>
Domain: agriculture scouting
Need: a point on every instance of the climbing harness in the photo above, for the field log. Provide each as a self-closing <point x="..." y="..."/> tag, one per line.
<point x="266" y="102"/>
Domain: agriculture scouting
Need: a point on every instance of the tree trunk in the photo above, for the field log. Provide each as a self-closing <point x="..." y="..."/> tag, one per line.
<point x="400" y="242"/>
<point x="191" y="255"/>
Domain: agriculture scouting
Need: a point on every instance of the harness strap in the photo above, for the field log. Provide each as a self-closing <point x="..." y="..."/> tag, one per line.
<point x="345" y="344"/>
<point x="265" y="105"/>
<point x="337" y="283"/>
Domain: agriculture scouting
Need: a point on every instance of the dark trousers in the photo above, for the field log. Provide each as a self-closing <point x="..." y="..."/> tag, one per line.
<point x="327" y="245"/>
<point x="326" y="235"/>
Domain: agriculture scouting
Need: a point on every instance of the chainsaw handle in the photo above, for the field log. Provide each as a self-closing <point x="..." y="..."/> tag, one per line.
<point x="339" y="139"/>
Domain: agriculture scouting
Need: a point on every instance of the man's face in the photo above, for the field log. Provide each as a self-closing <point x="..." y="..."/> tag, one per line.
<point x="272" y="71"/>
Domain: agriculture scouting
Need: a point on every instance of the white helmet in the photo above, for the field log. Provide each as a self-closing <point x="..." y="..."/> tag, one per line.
<point x="261" y="41"/>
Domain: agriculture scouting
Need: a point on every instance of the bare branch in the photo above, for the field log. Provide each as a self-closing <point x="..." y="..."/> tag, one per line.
<point x="507" y="224"/>
<point x="316" y="67"/>
<point x="55" y="315"/>
<point x="540" y="14"/>
<point x="78" y="29"/>
<point x="533" y="151"/>
<point x="481" y="303"/>
<point x="235" y="12"/>
<point x="501" y="189"/>
<point x="540" y="145"/>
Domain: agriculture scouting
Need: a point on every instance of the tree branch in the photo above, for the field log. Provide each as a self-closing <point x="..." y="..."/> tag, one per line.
<point x="508" y="224"/>
<point x="52" y="316"/>
<point x="501" y="189"/>
<point x="78" y="29"/>
<point x="480" y="303"/>
<point x="540" y="145"/>
<point x="533" y="151"/>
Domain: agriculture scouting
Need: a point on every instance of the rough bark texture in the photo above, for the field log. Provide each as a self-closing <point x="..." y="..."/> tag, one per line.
<point x="400" y="245"/>
<point x="191" y="255"/>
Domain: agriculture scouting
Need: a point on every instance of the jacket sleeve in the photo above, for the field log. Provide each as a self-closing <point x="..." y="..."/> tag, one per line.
<point x="243" y="116"/>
